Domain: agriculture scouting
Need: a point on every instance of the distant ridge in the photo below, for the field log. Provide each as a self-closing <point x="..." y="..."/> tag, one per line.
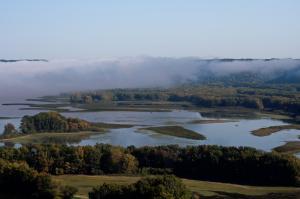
<point x="246" y="59"/>
<point x="18" y="60"/>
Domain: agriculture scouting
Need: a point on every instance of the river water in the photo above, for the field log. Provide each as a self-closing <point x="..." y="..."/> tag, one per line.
<point x="234" y="133"/>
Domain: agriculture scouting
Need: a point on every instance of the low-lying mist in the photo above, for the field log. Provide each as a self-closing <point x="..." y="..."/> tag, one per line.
<point x="36" y="78"/>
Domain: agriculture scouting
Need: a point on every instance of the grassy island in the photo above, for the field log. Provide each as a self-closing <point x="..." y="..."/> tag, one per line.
<point x="289" y="147"/>
<point x="50" y="138"/>
<point x="176" y="131"/>
<point x="273" y="129"/>
<point x="211" y="121"/>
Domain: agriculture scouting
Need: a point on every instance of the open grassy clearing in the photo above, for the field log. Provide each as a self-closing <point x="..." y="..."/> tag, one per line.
<point x="176" y="131"/>
<point x="273" y="129"/>
<point x="85" y="183"/>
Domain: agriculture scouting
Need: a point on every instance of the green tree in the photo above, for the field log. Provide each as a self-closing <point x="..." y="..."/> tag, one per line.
<point x="19" y="181"/>
<point x="116" y="161"/>
<point x="163" y="187"/>
<point x="9" y="129"/>
<point x="68" y="192"/>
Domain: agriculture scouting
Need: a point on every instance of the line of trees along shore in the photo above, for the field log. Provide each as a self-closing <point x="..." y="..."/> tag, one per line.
<point x="224" y="164"/>
<point x="284" y="98"/>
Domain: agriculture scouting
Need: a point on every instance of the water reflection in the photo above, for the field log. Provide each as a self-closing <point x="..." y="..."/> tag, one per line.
<point x="235" y="133"/>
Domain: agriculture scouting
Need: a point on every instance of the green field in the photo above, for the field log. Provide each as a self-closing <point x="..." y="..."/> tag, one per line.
<point x="85" y="183"/>
<point x="176" y="131"/>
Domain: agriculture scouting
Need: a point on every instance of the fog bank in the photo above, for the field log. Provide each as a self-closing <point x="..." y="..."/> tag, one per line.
<point x="36" y="78"/>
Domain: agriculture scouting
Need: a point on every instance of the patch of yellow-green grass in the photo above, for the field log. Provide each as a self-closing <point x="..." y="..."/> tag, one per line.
<point x="273" y="129"/>
<point x="111" y="126"/>
<point x="58" y="138"/>
<point x="212" y="188"/>
<point x="176" y="131"/>
<point x="120" y="106"/>
<point x="85" y="183"/>
<point x="272" y="115"/>
<point x="238" y="113"/>
<point x="213" y="121"/>
<point x="289" y="147"/>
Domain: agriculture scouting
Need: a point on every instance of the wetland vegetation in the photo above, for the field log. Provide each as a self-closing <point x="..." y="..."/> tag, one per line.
<point x="274" y="129"/>
<point x="176" y="131"/>
<point x="49" y="138"/>
<point x="281" y="99"/>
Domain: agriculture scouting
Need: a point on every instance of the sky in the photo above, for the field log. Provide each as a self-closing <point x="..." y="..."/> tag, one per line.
<point x="66" y="29"/>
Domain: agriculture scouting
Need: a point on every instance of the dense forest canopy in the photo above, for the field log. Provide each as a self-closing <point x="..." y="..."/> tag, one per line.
<point x="49" y="122"/>
<point x="53" y="122"/>
<point x="29" y="183"/>
<point x="225" y="164"/>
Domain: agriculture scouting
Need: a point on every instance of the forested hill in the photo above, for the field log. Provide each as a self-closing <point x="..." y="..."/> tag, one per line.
<point x="177" y="71"/>
<point x="18" y="60"/>
<point x="277" y="98"/>
<point x="237" y="72"/>
<point x="250" y="78"/>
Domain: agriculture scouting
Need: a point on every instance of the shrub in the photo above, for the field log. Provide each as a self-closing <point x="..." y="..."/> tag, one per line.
<point x="162" y="187"/>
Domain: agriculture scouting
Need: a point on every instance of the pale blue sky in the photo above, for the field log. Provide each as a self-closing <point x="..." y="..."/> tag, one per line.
<point x="175" y="28"/>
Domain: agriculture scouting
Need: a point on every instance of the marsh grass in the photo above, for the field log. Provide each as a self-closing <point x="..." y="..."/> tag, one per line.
<point x="176" y="131"/>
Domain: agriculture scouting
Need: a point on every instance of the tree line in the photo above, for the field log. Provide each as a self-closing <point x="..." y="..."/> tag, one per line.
<point x="19" y="181"/>
<point x="241" y="165"/>
<point x="52" y="122"/>
<point x="285" y="98"/>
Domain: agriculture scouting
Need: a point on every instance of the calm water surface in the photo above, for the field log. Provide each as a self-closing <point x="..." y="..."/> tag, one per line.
<point x="237" y="133"/>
